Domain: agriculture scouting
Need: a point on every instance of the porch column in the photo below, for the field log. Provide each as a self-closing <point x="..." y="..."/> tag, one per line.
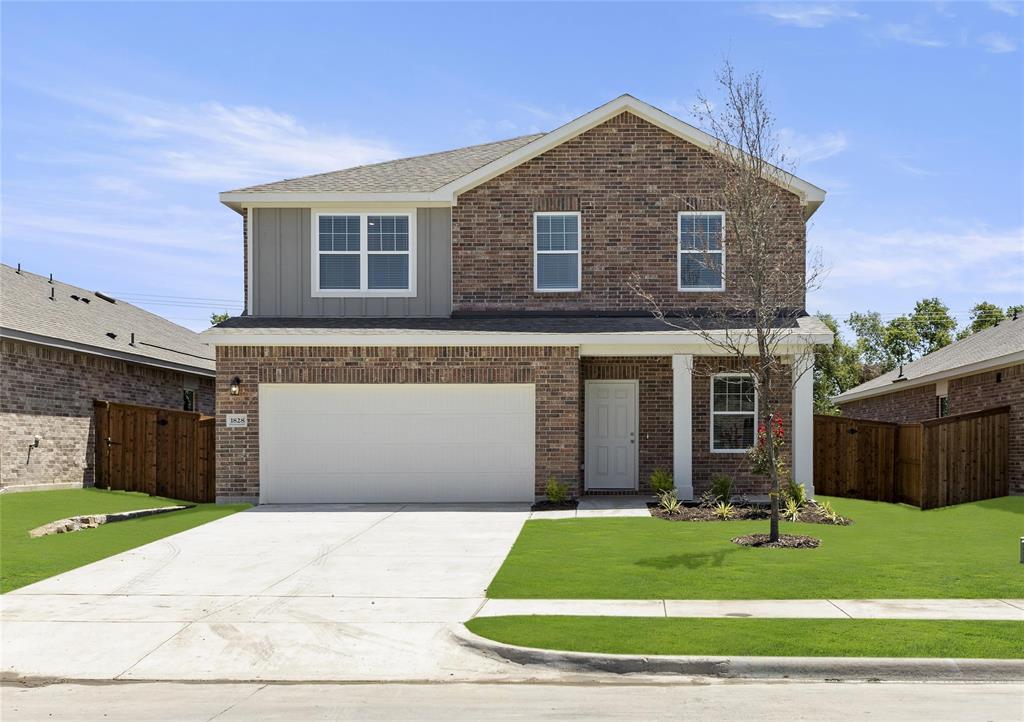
<point x="682" y="424"/>
<point x="803" y="421"/>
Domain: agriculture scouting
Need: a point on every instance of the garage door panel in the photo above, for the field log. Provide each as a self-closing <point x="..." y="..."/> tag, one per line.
<point x="338" y="443"/>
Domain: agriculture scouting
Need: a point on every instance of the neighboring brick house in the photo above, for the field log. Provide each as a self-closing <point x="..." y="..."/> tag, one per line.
<point x="61" y="347"/>
<point x="460" y="326"/>
<point x="983" y="371"/>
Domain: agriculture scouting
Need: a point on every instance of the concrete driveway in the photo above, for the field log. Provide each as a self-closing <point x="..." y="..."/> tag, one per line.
<point x="349" y="592"/>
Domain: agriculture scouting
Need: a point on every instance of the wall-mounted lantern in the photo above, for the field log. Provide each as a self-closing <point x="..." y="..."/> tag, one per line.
<point x="235" y="384"/>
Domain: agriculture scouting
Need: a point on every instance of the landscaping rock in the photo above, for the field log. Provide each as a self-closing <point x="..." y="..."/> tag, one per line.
<point x="91" y="521"/>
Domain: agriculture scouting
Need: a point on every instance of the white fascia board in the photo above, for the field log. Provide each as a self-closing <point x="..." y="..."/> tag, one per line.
<point x="999" y="362"/>
<point x="650" y="342"/>
<point x="296" y="198"/>
<point x="810" y="195"/>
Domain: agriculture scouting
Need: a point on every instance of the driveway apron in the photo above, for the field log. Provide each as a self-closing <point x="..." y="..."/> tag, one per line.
<point x="340" y="592"/>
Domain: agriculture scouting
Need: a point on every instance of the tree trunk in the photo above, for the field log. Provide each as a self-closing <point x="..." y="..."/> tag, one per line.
<point x="773" y="474"/>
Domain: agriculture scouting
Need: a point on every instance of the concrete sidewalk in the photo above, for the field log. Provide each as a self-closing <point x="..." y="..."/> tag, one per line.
<point x="969" y="609"/>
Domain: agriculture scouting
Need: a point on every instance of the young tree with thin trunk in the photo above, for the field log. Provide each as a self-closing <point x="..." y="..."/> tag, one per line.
<point x="756" y="323"/>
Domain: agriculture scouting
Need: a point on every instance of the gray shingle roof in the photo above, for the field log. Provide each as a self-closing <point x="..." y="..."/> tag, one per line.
<point x="26" y="312"/>
<point x="988" y="345"/>
<point x="419" y="174"/>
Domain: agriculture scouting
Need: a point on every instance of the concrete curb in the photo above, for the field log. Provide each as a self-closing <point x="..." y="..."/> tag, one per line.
<point x="811" y="668"/>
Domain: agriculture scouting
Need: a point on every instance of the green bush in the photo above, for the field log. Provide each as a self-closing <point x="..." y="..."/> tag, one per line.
<point x="661" y="481"/>
<point x="792" y="509"/>
<point x="721" y="488"/>
<point x="795" y="492"/>
<point x="669" y="502"/>
<point x="556" y="491"/>
<point x="724" y="511"/>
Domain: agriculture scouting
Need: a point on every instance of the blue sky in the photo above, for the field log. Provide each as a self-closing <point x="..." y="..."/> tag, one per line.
<point x="121" y="122"/>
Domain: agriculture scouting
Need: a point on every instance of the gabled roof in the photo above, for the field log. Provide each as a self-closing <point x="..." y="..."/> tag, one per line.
<point x="82" y="320"/>
<point x="995" y="347"/>
<point x="441" y="177"/>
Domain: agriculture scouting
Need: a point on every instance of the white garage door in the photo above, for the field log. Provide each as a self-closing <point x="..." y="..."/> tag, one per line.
<point x="338" y="443"/>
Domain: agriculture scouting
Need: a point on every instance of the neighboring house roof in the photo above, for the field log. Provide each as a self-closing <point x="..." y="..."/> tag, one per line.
<point x="28" y="312"/>
<point x="441" y="177"/>
<point x="995" y="347"/>
<point x="491" y="330"/>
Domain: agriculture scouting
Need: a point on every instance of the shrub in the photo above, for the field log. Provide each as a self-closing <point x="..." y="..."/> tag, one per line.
<point x="724" y="510"/>
<point x="669" y="502"/>
<point x="796" y="492"/>
<point x="792" y="509"/>
<point x="556" y="491"/>
<point x="661" y="481"/>
<point x="721" y="488"/>
<point x="831" y="514"/>
<point x="708" y="500"/>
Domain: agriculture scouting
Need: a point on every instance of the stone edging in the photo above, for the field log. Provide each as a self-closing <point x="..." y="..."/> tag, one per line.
<point x="811" y="668"/>
<point x="91" y="521"/>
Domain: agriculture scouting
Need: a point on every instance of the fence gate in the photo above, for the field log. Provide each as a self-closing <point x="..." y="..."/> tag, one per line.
<point x="156" y="451"/>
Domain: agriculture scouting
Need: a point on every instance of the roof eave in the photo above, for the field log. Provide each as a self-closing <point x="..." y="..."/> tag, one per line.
<point x="998" y="362"/>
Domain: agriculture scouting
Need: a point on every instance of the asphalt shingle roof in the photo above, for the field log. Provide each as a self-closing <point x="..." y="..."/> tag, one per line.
<point x="26" y="310"/>
<point x="992" y="343"/>
<point x="419" y="174"/>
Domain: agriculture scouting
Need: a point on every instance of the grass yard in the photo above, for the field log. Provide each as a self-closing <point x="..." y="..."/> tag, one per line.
<point x="24" y="560"/>
<point x="760" y="637"/>
<point x="890" y="551"/>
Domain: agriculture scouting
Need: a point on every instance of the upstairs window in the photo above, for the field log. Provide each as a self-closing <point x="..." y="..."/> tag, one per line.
<point x="733" y="412"/>
<point x="364" y="254"/>
<point x="556" y="258"/>
<point x="702" y="251"/>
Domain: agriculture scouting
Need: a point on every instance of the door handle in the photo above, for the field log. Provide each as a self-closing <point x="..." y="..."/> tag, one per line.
<point x="111" y="442"/>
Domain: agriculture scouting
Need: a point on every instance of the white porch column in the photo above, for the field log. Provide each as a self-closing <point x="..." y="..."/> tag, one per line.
<point x="803" y="421"/>
<point x="682" y="424"/>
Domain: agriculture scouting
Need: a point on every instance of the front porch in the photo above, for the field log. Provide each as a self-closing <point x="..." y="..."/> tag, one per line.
<point x="642" y="413"/>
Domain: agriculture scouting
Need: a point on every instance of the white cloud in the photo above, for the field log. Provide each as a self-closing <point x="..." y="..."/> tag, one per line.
<point x="806" y="15"/>
<point x="211" y="142"/>
<point x="810" y="148"/>
<point x="912" y="34"/>
<point x="997" y="43"/>
<point x="1007" y="8"/>
<point x="909" y="168"/>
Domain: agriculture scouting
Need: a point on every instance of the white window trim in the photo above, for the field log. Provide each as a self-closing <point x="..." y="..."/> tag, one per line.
<point x="680" y="252"/>
<point x="364" y="252"/>
<point x="711" y="426"/>
<point x="579" y="252"/>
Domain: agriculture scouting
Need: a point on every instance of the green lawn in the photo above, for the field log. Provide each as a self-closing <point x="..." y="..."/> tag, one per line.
<point x="760" y="637"/>
<point x="890" y="551"/>
<point x="24" y="560"/>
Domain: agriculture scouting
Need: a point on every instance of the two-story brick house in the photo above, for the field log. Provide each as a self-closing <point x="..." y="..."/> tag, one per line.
<point x="460" y="326"/>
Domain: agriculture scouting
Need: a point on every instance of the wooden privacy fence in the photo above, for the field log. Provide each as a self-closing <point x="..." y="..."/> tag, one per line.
<point x="935" y="463"/>
<point x="156" y="451"/>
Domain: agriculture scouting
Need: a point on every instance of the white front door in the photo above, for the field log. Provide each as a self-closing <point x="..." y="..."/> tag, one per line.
<point x="610" y="434"/>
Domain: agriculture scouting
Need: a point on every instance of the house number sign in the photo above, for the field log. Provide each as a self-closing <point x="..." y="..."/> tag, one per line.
<point x="237" y="421"/>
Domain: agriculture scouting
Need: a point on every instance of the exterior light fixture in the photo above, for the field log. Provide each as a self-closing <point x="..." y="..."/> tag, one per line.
<point x="235" y="384"/>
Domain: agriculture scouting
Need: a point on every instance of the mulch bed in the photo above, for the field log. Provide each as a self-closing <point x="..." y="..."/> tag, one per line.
<point x="545" y="505"/>
<point x="809" y="515"/>
<point x="786" y="541"/>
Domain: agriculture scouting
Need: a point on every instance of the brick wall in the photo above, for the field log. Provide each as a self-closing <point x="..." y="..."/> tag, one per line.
<point x="1004" y="387"/>
<point x="903" y="407"/>
<point x="49" y="392"/>
<point x="655" y="423"/>
<point x="628" y="178"/>
<point x="555" y="371"/>
<point x="707" y="464"/>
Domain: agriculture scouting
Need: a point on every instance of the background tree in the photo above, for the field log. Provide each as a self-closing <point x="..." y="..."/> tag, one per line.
<point x="837" y="368"/>
<point x="749" y="172"/>
<point x="216" y="318"/>
<point x="933" y="324"/>
<point x="983" y="315"/>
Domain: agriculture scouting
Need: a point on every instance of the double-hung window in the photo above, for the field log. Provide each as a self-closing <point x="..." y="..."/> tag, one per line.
<point x="701" y="251"/>
<point x="556" y="258"/>
<point x="364" y="254"/>
<point x="733" y="412"/>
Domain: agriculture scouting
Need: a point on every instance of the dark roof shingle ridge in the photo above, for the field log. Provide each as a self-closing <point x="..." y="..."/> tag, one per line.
<point x="421" y="156"/>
